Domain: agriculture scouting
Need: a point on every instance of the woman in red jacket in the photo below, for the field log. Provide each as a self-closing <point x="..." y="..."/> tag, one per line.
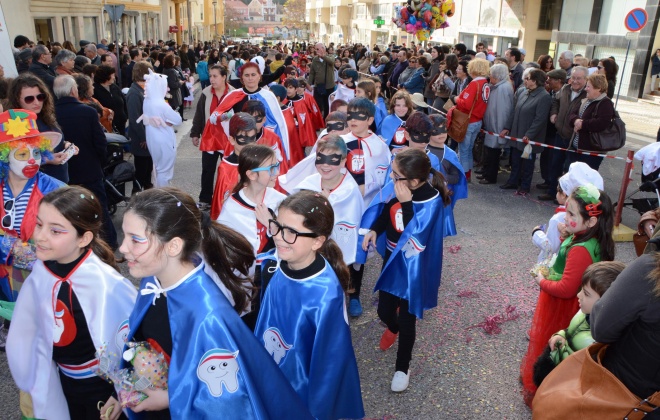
<point x="473" y="99"/>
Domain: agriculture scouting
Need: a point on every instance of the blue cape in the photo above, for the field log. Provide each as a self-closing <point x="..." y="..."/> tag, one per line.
<point x="389" y="126"/>
<point x="381" y="114"/>
<point x="414" y="269"/>
<point x="303" y="324"/>
<point x="460" y="190"/>
<point x="207" y="334"/>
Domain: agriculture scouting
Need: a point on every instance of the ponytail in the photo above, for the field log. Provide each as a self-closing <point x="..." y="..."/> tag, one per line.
<point x="439" y="183"/>
<point x="104" y="252"/>
<point x="332" y="253"/>
<point x="229" y="254"/>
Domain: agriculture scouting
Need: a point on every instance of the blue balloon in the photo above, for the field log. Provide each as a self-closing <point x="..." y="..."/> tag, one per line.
<point x="425" y="25"/>
<point x="412" y="20"/>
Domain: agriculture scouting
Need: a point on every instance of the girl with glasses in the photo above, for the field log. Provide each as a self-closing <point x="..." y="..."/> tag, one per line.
<point x="195" y="283"/>
<point x="84" y="303"/>
<point x="407" y="228"/>
<point x="302" y="322"/>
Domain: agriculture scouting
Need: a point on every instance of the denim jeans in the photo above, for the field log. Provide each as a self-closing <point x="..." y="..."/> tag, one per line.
<point x="465" y="148"/>
<point x="557" y="163"/>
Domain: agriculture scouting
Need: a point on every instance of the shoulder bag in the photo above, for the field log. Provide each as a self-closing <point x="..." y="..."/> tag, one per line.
<point x="458" y="121"/>
<point x="580" y="387"/>
<point x="612" y="138"/>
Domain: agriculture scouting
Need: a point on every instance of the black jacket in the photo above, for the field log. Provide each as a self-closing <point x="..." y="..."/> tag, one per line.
<point x="136" y="130"/>
<point x="80" y="125"/>
<point x="114" y="100"/>
<point x="44" y="72"/>
<point x="627" y="317"/>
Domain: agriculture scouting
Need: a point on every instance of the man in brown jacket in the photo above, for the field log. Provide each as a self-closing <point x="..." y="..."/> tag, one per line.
<point x="568" y="98"/>
<point x="322" y="77"/>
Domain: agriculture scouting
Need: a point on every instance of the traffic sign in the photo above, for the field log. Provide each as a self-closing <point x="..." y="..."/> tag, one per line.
<point x="632" y="36"/>
<point x="636" y="20"/>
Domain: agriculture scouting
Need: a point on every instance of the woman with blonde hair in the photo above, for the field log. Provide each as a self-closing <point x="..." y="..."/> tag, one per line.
<point x="472" y="101"/>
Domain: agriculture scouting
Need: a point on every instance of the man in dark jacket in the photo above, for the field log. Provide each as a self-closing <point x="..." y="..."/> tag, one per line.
<point x="40" y="67"/>
<point x="80" y="125"/>
<point x="565" y="101"/>
<point x="136" y="131"/>
<point x="393" y="80"/>
<point x="322" y="77"/>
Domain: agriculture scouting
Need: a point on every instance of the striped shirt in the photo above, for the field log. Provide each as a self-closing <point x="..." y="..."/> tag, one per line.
<point x="20" y="204"/>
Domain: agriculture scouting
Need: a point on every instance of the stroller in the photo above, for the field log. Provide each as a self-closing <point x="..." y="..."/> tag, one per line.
<point x="117" y="172"/>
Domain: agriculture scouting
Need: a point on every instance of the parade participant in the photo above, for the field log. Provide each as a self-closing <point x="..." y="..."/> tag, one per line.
<point x="342" y="192"/>
<point x="589" y="222"/>
<point x="242" y="131"/>
<point x="266" y="136"/>
<point x="215" y="135"/>
<point x="208" y="101"/>
<point x="23" y="186"/>
<point x="191" y="317"/>
<point x="303" y="321"/>
<point x="306" y="134"/>
<point x="158" y="119"/>
<point x="248" y="208"/>
<point x="597" y="278"/>
<point x="450" y="167"/>
<point x="316" y="116"/>
<point x="391" y="130"/>
<point x="410" y="217"/>
<point x="73" y="302"/>
<point x="335" y="123"/>
<point x="346" y="87"/>
<point x="368" y="157"/>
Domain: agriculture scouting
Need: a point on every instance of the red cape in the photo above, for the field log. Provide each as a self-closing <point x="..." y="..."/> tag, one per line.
<point x="224" y="183"/>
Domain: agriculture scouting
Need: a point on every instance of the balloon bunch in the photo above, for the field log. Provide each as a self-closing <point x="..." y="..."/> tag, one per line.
<point x="422" y="17"/>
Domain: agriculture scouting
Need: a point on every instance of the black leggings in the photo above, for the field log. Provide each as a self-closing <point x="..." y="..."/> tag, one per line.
<point x="356" y="280"/>
<point x="403" y="323"/>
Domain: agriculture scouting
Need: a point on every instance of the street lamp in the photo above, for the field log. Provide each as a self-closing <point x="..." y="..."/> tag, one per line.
<point x="215" y="20"/>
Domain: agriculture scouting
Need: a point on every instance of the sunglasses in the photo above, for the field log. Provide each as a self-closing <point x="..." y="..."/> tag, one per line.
<point x="8" y="219"/>
<point x="40" y="97"/>
<point x="288" y="235"/>
<point x="273" y="169"/>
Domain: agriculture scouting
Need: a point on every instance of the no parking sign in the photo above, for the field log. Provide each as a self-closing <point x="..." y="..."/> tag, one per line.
<point x="636" y="20"/>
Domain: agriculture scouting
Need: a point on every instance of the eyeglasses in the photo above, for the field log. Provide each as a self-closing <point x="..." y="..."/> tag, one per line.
<point x="288" y="235"/>
<point x="273" y="169"/>
<point x="29" y="99"/>
<point x="398" y="177"/>
<point x="8" y="219"/>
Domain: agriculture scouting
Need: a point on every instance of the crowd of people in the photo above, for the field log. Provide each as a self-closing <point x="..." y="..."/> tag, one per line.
<point x="327" y="154"/>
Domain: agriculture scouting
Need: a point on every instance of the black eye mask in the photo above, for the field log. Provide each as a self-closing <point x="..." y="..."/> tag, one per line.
<point x="242" y="139"/>
<point x="259" y="118"/>
<point x="333" y="160"/>
<point x="354" y="115"/>
<point x="418" y="137"/>
<point x="335" y="126"/>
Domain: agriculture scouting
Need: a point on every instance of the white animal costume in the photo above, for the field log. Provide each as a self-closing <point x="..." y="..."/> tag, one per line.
<point x="158" y="118"/>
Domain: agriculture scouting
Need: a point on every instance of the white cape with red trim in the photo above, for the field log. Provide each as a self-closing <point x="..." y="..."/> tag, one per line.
<point x="106" y="299"/>
<point x="244" y="219"/>
<point x="347" y="203"/>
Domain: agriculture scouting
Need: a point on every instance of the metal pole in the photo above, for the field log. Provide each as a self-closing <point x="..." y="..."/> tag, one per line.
<point x="627" y="177"/>
<point x="622" y="73"/>
<point x="215" y="20"/>
<point x="190" y="36"/>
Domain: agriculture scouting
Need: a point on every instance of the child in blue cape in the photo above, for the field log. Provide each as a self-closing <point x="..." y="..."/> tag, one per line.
<point x="407" y="228"/>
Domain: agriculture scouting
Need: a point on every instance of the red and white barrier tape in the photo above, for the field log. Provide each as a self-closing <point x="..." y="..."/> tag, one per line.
<point x="535" y="143"/>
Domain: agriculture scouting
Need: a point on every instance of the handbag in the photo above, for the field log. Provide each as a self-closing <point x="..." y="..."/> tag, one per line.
<point x="457" y="122"/>
<point x="612" y="138"/>
<point x="448" y="104"/>
<point x="580" y="387"/>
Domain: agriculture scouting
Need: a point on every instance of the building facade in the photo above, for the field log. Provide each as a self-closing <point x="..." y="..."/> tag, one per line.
<point x="75" y="20"/>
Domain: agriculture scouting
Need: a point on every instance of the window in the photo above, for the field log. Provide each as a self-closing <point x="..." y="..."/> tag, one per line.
<point x="542" y="47"/>
<point x="171" y="13"/>
<point x="546" y="16"/>
<point x="576" y="15"/>
<point x="333" y="11"/>
<point x="89" y="29"/>
<point x="361" y="11"/>
<point x="383" y="10"/>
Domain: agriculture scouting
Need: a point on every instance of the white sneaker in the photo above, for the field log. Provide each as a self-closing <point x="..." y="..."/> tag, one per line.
<point x="400" y="381"/>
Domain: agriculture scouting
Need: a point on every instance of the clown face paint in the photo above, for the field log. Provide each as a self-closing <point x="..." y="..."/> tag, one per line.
<point x="218" y="367"/>
<point x="574" y="221"/>
<point x="24" y="161"/>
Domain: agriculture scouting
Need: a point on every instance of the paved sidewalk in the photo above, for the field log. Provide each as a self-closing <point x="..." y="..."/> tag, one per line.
<point x="641" y="120"/>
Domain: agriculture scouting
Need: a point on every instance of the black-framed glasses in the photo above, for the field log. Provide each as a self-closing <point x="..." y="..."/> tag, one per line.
<point x="398" y="177"/>
<point x="8" y="218"/>
<point x="273" y="169"/>
<point x="29" y="99"/>
<point x="288" y="235"/>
